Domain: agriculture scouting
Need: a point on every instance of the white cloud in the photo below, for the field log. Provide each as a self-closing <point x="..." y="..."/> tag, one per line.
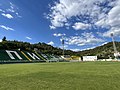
<point x="64" y="10"/>
<point x="58" y="34"/>
<point x="9" y="10"/>
<point x="2" y="11"/>
<point x="104" y="43"/>
<point x="52" y="27"/>
<point x="6" y="28"/>
<point x="18" y="15"/>
<point x="12" y="8"/>
<point x="65" y="47"/>
<point x="84" y="39"/>
<point x="76" y="50"/>
<point x="29" y="38"/>
<point x="0" y="40"/>
<point x="113" y="20"/>
<point x="9" y="16"/>
<point x="79" y="25"/>
<point x="51" y="43"/>
<point x="102" y="23"/>
<point x="89" y="48"/>
<point x="87" y="14"/>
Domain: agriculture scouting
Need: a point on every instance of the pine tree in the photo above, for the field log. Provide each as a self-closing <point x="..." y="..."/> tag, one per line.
<point x="4" y="38"/>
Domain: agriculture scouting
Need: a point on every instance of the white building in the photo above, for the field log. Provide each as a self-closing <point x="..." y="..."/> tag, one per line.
<point x="89" y="58"/>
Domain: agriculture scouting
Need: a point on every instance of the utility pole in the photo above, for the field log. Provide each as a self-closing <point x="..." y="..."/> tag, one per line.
<point x="114" y="46"/>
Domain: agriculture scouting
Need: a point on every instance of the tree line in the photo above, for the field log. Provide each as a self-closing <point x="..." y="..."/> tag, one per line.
<point x="26" y="46"/>
<point x="103" y="52"/>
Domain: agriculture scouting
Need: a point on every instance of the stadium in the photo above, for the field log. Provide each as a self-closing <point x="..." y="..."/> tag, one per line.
<point x="34" y="70"/>
<point x="60" y="44"/>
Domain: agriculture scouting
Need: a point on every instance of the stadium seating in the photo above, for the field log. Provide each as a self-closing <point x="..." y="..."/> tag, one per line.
<point x="19" y="56"/>
<point x="14" y="56"/>
<point x="53" y="58"/>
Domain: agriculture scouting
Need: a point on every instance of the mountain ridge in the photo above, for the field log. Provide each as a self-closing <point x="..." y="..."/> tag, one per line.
<point x="104" y="51"/>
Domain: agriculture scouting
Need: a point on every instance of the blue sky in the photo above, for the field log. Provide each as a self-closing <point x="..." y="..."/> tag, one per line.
<point x="83" y="24"/>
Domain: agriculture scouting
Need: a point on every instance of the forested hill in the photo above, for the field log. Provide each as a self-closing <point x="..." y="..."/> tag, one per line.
<point x="42" y="47"/>
<point x="104" y="51"/>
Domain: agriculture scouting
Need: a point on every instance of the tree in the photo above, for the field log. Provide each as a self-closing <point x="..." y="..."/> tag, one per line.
<point x="4" y="38"/>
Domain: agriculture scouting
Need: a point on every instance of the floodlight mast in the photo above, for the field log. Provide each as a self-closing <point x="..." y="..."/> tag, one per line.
<point x="114" y="46"/>
<point x="63" y="45"/>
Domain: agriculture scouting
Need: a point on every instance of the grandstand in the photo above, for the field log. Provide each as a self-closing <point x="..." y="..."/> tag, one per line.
<point x="16" y="56"/>
<point x="54" y="58"/>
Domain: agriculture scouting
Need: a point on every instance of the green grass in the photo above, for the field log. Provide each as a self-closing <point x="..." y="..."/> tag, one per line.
<point x="61" y="76"/>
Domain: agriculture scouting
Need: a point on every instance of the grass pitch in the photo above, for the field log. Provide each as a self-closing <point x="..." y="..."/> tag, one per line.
<point x="61" y="76"/>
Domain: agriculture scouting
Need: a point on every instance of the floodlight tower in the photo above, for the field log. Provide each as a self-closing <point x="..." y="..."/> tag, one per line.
<point x="114" y="46"/>
<point x="63" y="42"/>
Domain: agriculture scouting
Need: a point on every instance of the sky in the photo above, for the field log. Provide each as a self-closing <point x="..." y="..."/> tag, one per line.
<point x="84" y="24"/>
